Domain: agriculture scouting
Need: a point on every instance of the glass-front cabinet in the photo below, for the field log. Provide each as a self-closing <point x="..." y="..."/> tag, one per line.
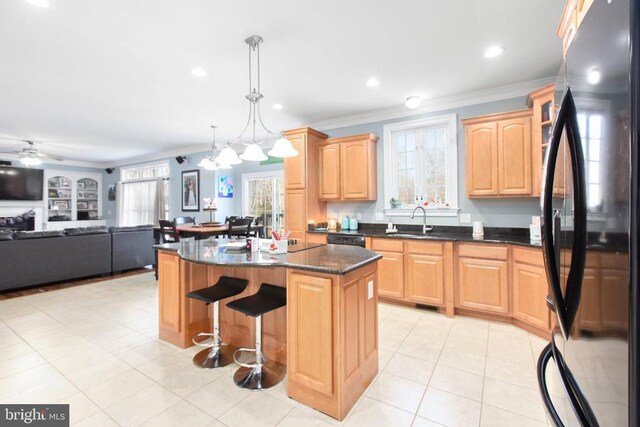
<point x="74" y="199"/>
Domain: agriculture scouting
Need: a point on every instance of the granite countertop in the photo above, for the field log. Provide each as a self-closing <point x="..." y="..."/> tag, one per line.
<point x="330" y="259"/>
<point x="517" y="236"/>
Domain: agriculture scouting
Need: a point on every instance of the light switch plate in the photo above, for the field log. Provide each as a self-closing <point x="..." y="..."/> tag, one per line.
<point x="379" y="216"/>
<point x="465" y="218"/>
<point x="370" y="289"/>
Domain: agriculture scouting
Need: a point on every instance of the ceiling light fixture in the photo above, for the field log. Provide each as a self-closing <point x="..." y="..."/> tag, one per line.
<point x="45" y="4"/>
<point x="253" y="150"/>
<point x="198" y="72"/>
<point x="494" y="51"/>
<point x="594" y="76"/>
<point x="373" y="82"/>
<point x="30" y="160"/>
<point x="413" y="101"/>
<point x="277" y="106"/>
<point x="209" y="162"/>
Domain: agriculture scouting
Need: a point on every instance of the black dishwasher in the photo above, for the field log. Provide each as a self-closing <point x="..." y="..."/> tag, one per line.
<point x="344" y="239"/>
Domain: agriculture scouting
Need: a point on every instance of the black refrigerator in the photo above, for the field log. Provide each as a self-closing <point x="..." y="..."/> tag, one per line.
<point x="588" y="374"/>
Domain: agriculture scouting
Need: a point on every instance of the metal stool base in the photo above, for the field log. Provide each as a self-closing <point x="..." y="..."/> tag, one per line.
<point x="207" y="358"/>
<point x="270" y="375"/>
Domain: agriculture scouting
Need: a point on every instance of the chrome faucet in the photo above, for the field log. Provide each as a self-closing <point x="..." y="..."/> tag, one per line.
<point x="425" y="227"/>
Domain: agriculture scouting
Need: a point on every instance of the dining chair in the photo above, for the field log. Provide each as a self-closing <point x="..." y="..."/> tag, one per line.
<point x="185" y="220"/>
<point x="168" y="232"/>
<point x="239" y="227"/>
<point x="252" y="233"/>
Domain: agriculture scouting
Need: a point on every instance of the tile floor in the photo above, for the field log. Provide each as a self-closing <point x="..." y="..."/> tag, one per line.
<point x="96" y="348"/>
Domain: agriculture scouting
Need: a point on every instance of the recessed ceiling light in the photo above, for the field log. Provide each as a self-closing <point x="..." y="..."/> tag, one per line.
<point x="493" y="51"/>
<point x="593" y="76"/>
<point x="277" y="106"/>
<point x="198" y="72"/>
<point x="373" y="82"/>
<point x="413" y="101"/>
<point x="40" y="3"/>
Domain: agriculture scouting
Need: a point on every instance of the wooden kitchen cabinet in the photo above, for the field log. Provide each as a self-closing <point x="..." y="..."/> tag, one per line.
<point x="483" y="274"/>
<point x="416" y="272"/>
<point x="390" y="267"/>
<point x="425" y="273"/>
<point x="514" y="149"/>
<point x="329" y="172"/>
<point x="542" y="103"/>
<point x="482" y="159"/>
<point x="332" y="337"/>
<point x="301" y="185"/>
<point x="498" y="149"/>
<point x="348" y="168"/>
<point x="530" y="288"/>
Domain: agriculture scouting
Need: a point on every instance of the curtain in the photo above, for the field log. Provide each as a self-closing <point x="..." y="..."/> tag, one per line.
<point x="119" y="203"/>
<point x="158" y="211"/>
<point x="139" y="203"/>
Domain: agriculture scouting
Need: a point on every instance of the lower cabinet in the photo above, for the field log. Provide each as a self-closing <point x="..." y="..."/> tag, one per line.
<point x="483" y="273"/>
<point x="425" y="273"/>
<point x="332" y="337"/>
<point x="530" y="288"/>
<point x="390" y="267"/>
<point x="412" y="271"/>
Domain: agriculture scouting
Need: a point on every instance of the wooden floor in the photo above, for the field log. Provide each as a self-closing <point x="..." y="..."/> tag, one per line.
<point x="69" y="284"/>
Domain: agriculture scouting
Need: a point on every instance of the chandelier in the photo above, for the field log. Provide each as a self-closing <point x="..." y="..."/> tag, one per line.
<point x="253" y="150"/>
<point x="211" y="162"/>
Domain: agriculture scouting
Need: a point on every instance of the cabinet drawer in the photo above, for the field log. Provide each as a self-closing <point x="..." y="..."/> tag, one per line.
<point x="386" y="245"/>
<point x="428" y="248"/>
<point x="483" y="251"/>
<point x="528" y="256"/>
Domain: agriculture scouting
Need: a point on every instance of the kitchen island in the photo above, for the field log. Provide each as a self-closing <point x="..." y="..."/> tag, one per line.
<point x="328" y="334"/>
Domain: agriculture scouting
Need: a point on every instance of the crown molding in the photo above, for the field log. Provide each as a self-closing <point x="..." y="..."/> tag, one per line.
<point x="162" y="155"/>
<point x="433" y="105"/>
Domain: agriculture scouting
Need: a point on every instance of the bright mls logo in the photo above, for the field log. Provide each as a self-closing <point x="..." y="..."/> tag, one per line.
<point x="34" y="415"/>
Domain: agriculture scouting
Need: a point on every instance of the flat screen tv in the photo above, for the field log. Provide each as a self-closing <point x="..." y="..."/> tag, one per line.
<point x="21" y="183"/>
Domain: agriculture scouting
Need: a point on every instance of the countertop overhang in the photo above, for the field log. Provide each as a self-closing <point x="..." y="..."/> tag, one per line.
<point x="329" y="259"/>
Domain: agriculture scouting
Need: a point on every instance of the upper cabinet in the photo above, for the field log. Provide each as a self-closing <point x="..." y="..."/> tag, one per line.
<point x="301" y="184"/>
<point x="542" y="103"/>
<point x="498" y="150"/>
<point x="348" y="168"/>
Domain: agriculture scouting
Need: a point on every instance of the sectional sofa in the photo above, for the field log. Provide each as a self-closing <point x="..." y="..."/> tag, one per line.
<point x="29" y="258"/>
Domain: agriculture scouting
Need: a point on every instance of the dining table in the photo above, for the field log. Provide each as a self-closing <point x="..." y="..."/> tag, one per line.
<point x="204" y="231"/>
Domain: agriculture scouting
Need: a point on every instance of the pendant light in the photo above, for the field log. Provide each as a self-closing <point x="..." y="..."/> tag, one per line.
<point x="209" y="162"/>
<point x="253" y="150"/>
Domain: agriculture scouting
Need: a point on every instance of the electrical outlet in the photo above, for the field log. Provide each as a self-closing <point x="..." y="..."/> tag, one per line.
<point x="358" y="216"/>
<point x="370" y="289"/>
<point x="379" y="216"/>
<point x="465" y="218"/>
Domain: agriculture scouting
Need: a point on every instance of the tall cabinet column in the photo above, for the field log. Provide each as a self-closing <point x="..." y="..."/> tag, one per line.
<point x="301" y="183"/>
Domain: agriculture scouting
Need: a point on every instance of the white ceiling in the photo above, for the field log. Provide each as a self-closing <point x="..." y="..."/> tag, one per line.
<point x="109" y="80"/>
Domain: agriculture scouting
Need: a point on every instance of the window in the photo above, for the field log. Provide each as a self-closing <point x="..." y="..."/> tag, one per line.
<point x="590" y="127"/>
<point x="263" y="197"/>
<point x="421" y="165"/>
<point x="140" y="195"/>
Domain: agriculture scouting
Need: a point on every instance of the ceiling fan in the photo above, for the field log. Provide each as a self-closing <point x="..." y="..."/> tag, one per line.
<point x="31" y="156"/>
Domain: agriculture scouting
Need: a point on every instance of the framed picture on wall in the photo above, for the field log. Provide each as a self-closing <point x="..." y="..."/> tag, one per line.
<point x="191" y="190"/>
<point x="225" y="186"/>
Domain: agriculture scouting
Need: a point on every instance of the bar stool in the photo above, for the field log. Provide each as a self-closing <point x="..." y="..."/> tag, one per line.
<point x="217" y="354"/>
<point x="263" y="373"/>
